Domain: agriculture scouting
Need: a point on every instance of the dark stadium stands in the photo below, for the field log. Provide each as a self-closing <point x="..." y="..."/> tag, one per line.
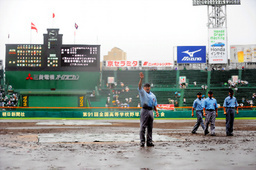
<point x="190" y="95"/>
<point x="220" y="95"/>
<point x="166" y="83"/>
<point x="130" y="78"/>
<point x="162" y="78"/>
<point x="198" y="76"/>
<point x="245" y="93"/>
<point x="163" y="96"/>
<point x="249" y="75"/>
<point x="218" y="78"/>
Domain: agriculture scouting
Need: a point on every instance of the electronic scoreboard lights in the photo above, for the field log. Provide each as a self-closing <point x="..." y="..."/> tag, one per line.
<point x="216" y="2"/>
<point x="52" y="55"/>
<point x="79" y="56"/>
<point x="24" y="56"/>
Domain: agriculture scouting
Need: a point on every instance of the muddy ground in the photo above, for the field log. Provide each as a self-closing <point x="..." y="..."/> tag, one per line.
<point x="114" y="144"/>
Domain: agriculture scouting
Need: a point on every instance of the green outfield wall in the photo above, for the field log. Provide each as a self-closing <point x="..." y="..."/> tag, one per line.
<point x="52" y="79"/>
<point x="104" y="113"/>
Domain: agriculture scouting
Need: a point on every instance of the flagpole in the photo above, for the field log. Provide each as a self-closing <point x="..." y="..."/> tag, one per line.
<point x="30" y="36"/>
<point x="52" y="22"/>
<point x="53" y="17"/>
<point x="74" y="36"/>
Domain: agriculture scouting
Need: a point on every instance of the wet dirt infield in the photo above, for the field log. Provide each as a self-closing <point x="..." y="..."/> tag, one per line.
<point x="114" y="144"/>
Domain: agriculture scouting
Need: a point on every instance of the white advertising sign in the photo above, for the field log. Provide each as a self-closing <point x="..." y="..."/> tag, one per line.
<point x="242" y="53"/>
<point x="121" y="63"/>
<point x="124" y="63"/>
<point x="217" y="46"/>
<point x="111" y="80"/>
<point x="156" y="64"/>
<point x="182" y="79"/>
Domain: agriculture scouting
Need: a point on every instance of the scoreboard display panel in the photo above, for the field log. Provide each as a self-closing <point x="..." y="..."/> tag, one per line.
<point x="25" y="56"/>
<point x="37" y="57"/>
<point x="80" y="56"/>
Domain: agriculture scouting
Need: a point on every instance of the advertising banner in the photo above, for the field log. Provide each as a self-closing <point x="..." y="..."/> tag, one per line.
<point x="242" y="53"/>
<point x="157" y="64"/>
<point x="111" y="80"/>
<point x="182" y="79"/>
<point x="235" y="78"/>
<point x="217" y="46"/>
<point x="121" y="63"/>
<point x="191" y="54"/>
<point x="165" y="106"/>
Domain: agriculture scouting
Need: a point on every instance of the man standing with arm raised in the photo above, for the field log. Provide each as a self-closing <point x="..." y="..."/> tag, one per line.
<point x="148" y="103"/>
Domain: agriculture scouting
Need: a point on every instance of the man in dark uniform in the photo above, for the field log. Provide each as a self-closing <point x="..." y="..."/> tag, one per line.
<point x="198" y="105"/>
<point x="230" y="103"/>
<point x="148" y="103"/>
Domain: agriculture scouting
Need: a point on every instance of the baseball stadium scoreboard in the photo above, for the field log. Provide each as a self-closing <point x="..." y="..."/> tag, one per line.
<point x="52" y="55"/>
<point x="216" y="2"/>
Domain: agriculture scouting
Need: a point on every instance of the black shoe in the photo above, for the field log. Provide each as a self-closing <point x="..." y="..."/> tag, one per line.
<point x="193" y="132"/>
<point x="142" y="144"/>
<point x="230" y="134"/>
<point x="213" y="134"/>
<point x="150" y="145"/>
<point x="206" y="132"/>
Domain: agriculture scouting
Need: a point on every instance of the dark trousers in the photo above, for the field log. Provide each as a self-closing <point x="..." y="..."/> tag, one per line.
<point x="210" y="118"/>
<point x="230" y="116"/>
<point x="199" y="115"/>
<point x="146" y="122"/>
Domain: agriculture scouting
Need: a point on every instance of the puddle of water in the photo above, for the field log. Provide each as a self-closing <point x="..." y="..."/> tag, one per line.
<point x="126" y="137"/>
<point x="45" y="127"/>
<point x="73" y="123"/>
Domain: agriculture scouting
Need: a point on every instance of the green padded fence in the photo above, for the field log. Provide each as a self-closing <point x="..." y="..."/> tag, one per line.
<point x="105" y="113"/>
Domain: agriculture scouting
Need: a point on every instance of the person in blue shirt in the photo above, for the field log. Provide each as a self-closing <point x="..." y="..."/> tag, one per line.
<point x="230" y="103"/>
<point x="210" y="109"/>
<point x="197" y="105"/>
<point x="148" y="103"/>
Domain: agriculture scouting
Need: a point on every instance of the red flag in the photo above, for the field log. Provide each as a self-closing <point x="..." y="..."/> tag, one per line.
<point x="53" y="15"/>
<point x="33" y="27"/>
<point x="76" y="26"/>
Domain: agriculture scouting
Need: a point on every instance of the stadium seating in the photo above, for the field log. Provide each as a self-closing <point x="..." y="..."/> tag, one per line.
<point x="130" y="78"/>
<point x="191" y="95"/>
<point x="162" y="96"/>
<point x="218" y="78"/>
<point x="220" y="95"/>
<point x="198" y="76"/>
<point x="162" y="78"/>
<point x="249" y="75"/>
<point x="165" y="85"/>
<point x="245" y="93"/>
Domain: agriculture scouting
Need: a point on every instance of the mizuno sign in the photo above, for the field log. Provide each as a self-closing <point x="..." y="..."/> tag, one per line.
<point x="191" y="54"/>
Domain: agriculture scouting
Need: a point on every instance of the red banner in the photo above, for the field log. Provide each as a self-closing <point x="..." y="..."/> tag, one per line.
<point x="156" y="64"/>
<point x="121" y="63"/>
<point x="165" y="106"/>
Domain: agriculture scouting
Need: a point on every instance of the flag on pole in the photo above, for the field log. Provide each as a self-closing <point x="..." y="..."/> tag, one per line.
<point x="8" y="36"/>
<point x="76" y="26"/>
<point x="33" y="27"/>
<point x="53" y="15"/>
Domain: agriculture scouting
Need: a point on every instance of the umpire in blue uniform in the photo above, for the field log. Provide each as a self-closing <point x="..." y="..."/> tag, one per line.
<point x="210" y="112"/>
<point x="148" y="103"/>
<point x="230" y="103"/>
<point x="198" y="105"/>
